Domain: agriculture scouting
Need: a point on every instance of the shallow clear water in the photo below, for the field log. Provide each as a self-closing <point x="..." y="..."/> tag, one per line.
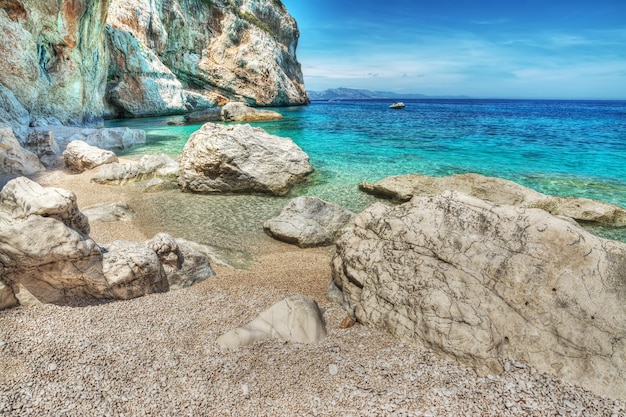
<point x="570" y="148"/>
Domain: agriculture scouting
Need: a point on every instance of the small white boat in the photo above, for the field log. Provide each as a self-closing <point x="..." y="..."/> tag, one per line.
<point x="398" y="105"/>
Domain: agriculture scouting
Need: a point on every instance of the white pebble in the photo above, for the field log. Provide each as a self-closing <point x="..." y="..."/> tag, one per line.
<point x="333" y="369"/>
<point x="52" y="367"/>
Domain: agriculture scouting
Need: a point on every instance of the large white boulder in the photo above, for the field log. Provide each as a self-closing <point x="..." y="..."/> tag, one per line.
<point x="241" y="159"/>
<point x="484" y="284"/>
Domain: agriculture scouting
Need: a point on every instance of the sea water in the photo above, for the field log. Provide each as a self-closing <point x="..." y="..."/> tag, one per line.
<point x="566" y="148"/>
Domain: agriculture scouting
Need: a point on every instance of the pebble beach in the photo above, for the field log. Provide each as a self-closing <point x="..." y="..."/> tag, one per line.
<point x="157" y="355"/>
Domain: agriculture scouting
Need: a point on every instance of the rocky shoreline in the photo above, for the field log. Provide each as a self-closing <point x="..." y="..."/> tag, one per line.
<point x="158" y="354"/>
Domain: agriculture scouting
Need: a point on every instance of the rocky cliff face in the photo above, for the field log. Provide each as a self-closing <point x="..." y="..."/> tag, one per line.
<point x="53" y="57"/>
<point x="164" y="50"/>
<point x="158" y="56"/>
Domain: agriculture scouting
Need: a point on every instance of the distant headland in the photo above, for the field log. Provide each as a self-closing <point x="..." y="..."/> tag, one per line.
<point x="343" y="93"/>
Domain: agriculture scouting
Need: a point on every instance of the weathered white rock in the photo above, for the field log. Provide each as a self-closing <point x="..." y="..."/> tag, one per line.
<point x="14" y="159"/>
<point x="132" y="270"/>
<point x="499" y="191"/>
<point x="182" y="263"/>
<point x="44" y="146"/>
<point x="149" y="166"/>
<point x="242" y="112"/>
<point x="295" y="319"/>
<point x="7" y="296"/>
<point x="109" y="212"/>
<point x="79" y="156"/>
<point x="482" y="283"/>
<point x="241" y="159"/>
<point x="309" y="222"/>
<point x="22" y="199"/>
<point x="115" y="138"/>
<point x="46" y="254"/>
<point x="44" y="247"/>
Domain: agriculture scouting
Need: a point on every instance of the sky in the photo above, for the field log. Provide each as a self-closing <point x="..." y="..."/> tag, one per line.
<point x="567" y="49"/>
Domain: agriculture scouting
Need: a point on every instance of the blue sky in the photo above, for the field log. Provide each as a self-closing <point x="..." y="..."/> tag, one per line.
<point x="514" y="49"/>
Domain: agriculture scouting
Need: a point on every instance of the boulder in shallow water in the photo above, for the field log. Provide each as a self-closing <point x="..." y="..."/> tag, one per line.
<point x="309" y="222"/>
<point x="241" y="159"/>
<point x="483" y="283"/>
<point x="295" y="319"/>
<point x="242" y="112"/>
<point x="79" y="156"/>
<point x="206" y="115"/>
<point x="498" y="191"/>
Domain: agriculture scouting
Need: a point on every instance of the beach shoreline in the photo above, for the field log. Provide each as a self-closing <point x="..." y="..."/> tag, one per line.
<point x="157" y="355"/>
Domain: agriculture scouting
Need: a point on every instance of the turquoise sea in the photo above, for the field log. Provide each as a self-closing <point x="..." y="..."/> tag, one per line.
<point x="569" y="148"/>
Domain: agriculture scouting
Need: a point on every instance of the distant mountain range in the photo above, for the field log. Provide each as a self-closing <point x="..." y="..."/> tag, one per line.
<point x="357" y="94"/>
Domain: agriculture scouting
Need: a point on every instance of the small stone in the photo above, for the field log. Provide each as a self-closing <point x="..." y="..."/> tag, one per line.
<point x="347" y="322"/>
<point x="569" y="404"/>
<point x="246" y="390"/>
<point x="52" y="367"/>
<point x="333" y="369"/>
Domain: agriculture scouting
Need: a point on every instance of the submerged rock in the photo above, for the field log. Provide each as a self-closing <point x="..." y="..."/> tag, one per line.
<point x="46" y="254"/>
<point x="295" y="319"/>
<point x="241" y="159"/>
<point x="309" y="222"/>
<point x="483" y="283"/>
<point x="499" y="191"/>
<point x="109" y="212"/>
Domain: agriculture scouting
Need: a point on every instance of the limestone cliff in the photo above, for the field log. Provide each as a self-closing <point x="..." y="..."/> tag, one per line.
<point x="158" y="56"/>
<point x="53" y="57"/>
<point x="164" y="49"/>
